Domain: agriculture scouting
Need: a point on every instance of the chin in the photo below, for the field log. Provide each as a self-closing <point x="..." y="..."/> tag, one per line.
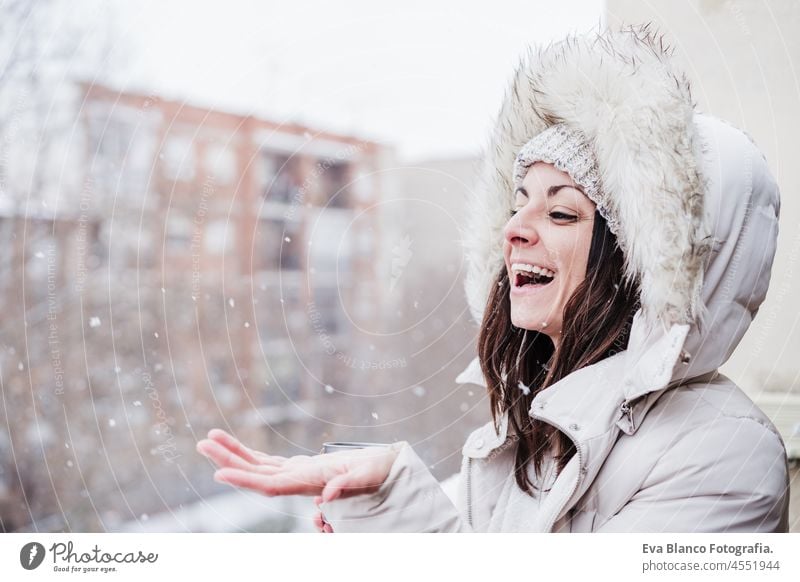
<point x="532" y="320"/>
<point x="527" y="322"/>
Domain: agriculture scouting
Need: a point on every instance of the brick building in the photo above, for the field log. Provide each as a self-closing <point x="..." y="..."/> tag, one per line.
<point x="208" y="271"/>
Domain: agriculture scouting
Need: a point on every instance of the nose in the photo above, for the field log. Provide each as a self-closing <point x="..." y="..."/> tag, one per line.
<point x="519" y="233"/>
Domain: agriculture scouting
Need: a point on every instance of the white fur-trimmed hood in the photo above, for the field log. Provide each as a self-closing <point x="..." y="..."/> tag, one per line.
<point x="620" y="89"/>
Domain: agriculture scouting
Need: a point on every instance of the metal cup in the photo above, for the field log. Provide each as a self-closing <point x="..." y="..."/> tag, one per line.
<point x="336" y="446"/>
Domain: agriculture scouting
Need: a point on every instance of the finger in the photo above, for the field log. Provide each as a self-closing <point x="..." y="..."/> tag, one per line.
<point x="236" y="447"/>
<point x="221" y="456"/>
<point x="327" y="528"/>
<point x="233" y="445"/>
<point x="318" y="523"/>
<point x="269" y="485"/>
<point x="317" y="500"/>
<point x="348" y="484"/>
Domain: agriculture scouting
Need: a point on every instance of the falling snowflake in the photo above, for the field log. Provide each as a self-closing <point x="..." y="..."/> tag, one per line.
<point x="328" y="388"/>
<point x="287" y="239"/>
<point x="524" y="388"/>
<point x="375" y="415"/>
<point x="231" y="302"/>
<point x="418" y="390"/>
<point x="416" y="304"/>
<point x="69" y="463"/>
<point x="112" y="423"/>
<point x="137" y="402"/>
<point x="158" y="367"/>
<point x="145" y="517"/>
<point x="163" y="290"/>
<point x="117" y="369"/>
<point x="94" y="321"/>
<point x="470" y="393"/>
<point x="464" y="407"/>
<point x="247" y="324"/>
<point x="39" y="255"/>
<point x="155" y="334"/>
<point x="20" y="366"/>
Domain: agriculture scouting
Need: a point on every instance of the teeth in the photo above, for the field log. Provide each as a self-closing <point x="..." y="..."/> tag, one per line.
<point x="532" y="269"/>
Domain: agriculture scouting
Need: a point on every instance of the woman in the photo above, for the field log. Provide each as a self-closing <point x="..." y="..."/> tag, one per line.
<point x="618" y="252"/>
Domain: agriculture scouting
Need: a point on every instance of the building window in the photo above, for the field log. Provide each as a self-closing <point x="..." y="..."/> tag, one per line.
<point x="327" y="305"/>
<point x="179" y="233"/>
<point x="221" y="163"/>
<point x="364" y="186"/>
<point x="334" y="183"/>
<point x="331" y="238"/>
<point x="279" y="245"/>
<point x="178" y="159"/>
<point x="122" y="147"/>
<point x="219" y="237"/>
<point x="280" y="184"/>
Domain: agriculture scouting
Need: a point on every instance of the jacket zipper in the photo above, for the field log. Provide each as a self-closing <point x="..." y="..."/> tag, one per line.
<point x="627" y="411"/>
<point x="574" y="488"/>
<point x="469" y="492"/>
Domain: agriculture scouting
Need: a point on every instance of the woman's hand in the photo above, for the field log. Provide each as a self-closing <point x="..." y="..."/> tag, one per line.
<point x="319" y="520"/>
<point x="330" y="476"/>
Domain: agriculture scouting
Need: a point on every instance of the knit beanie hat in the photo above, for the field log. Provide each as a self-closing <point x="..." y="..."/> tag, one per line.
<point x="568" y="150"/>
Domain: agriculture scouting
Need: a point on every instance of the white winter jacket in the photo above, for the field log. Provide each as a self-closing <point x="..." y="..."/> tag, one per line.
<point x="664" y="442"/>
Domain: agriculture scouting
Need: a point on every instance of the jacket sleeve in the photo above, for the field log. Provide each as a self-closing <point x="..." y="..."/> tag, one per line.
<point x="410" y="500"/>
<point x="730" y="475"/>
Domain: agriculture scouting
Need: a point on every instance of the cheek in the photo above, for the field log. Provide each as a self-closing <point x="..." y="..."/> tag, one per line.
<point x="576" y="259"/>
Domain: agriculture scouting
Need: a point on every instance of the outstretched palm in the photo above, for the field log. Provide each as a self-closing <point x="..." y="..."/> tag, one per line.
<point x="333" y="475"/>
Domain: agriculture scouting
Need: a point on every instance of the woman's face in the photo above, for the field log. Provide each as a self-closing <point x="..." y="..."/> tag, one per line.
<point x="551" y="230"/>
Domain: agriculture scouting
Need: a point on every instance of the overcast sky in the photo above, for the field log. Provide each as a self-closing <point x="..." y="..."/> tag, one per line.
<point x="425" y="76"/>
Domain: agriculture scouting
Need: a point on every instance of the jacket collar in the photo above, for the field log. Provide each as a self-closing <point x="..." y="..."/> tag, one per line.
<point x="618" y="391"/>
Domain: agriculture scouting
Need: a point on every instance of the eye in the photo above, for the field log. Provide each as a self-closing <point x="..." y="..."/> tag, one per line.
<point x="563" y="217"/>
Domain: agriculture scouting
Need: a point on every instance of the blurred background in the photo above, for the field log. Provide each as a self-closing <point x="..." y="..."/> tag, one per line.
<point x="247" y="215"/>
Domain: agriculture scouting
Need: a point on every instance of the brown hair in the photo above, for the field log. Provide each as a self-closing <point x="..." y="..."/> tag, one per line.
<point x="596" y="324"/>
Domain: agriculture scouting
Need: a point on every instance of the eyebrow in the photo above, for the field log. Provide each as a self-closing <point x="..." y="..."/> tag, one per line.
<point x="551" y="191"/>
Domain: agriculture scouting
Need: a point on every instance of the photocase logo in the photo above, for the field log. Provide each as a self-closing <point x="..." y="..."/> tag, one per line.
<point x="31" y="555"/>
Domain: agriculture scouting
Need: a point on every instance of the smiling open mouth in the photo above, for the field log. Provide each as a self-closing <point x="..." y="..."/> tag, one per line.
<point x="535" y="279"/>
